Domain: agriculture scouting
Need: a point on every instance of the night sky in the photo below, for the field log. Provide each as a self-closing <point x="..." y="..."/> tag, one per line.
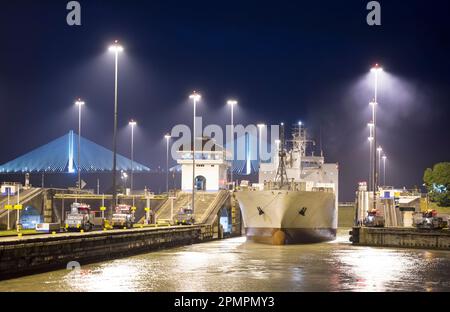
<point x="283" y="61"/>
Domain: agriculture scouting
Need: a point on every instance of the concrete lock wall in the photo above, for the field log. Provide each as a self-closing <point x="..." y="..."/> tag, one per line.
<point x="401" y="237"/>
<point x="346" y="216"/>
<point x="30" y="255"/>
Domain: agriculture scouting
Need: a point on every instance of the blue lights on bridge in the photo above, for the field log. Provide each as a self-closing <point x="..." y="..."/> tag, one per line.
<point x="60" y="156"/>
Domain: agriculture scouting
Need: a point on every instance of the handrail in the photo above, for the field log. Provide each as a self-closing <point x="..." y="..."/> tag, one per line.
<point x="207" y="211"/>
<point x="23" y="199"/>
<point x="167" y="203"/>
<point x="221" y="197"/>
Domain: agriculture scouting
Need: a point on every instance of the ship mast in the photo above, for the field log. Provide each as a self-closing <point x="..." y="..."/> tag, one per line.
<point x="281" y="171"/>
<point x="299" y="145"/>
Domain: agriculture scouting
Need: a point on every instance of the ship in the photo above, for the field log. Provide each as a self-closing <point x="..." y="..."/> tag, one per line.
<point x="296" y="198"/>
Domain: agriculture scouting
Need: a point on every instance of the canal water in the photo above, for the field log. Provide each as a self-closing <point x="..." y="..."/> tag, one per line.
<point x="238" y="265"/>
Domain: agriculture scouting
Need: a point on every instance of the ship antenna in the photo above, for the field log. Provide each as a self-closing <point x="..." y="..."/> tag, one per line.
<point x="281" y="171"/>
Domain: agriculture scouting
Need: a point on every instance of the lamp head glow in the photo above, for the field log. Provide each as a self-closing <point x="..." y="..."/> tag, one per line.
<point x="379" y="149"/>
<point x="370" y="124"/>
<point x="277" y="142"/>
<point x="195" y="96"/>
<point x="300" y="123"/>
<point x="132" y="123"/>
<point x="370" y="139"/>
<point x="232" y="102"/>
<point x="376" y="68"/>
<point x="261" y="125"/>
<point x="282" y="123"/>
<point x="384" y="157"/>
<point x="116" y="47"/>
<point x="167" y="136"/>
<point x="79" y="102"/>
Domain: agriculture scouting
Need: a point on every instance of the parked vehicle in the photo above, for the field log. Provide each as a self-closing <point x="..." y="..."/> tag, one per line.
<point x="185" y="217"/>
<point x="373" y="219"/>
<point x="428" y="220"/>
<point x="80" y="218"/>
<point x="123" y="217"/>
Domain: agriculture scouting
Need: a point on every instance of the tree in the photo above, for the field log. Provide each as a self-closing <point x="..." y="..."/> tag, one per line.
<point x="437" y="181"/>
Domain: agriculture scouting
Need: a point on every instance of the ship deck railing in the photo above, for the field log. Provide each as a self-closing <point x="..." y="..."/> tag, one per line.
<point x="292" y="186"/>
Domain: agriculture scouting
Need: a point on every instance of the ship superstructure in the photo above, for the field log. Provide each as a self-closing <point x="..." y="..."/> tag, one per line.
<point x="296" y="198"/>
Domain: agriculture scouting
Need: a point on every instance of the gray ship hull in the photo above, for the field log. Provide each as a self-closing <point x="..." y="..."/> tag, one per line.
<point x="288" y="217"/>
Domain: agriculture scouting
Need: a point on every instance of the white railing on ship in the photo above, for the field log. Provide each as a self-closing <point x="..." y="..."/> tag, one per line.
<point x="272" y="186"/>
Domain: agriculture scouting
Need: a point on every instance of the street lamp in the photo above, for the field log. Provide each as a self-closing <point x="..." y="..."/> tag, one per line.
<point x="379" y="150"/>
<point x="167" y="137"/>
<point x="370" y="163"/>
<point x="116" y="48"/>
<point x="79" y="103"/>
<point x="376" y="70"/>
<point x="370" y="125"/>
<point x="384" y="169"/>
<point x="132" y="123"/>
<point x="195" y="97"/>
<point x="232" y="103"/>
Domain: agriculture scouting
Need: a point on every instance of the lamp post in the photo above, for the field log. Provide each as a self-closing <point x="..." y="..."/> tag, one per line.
<point x="132" y="123"/>
<point x="18" y="209"/>
<point x="79" y="103"/>
<point x="373" y="104"/>
<point x="376" y="70"/>
<point x="8" y="190"/>
<point x="195" y="97"/>
<point x="370" y="138"/>
<point x="116" y="49"/>
<point x="370" y="125"/>
<point x="167" y="137"/>
<point x="384" y="169"/>
<point x="232" y="103"/>
<point x="379" y="150"/>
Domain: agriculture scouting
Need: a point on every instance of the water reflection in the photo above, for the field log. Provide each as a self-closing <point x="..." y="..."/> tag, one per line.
<point x="121" y="275"/>
<point x="237" y="265"/>
<point x="372" y="269"/>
